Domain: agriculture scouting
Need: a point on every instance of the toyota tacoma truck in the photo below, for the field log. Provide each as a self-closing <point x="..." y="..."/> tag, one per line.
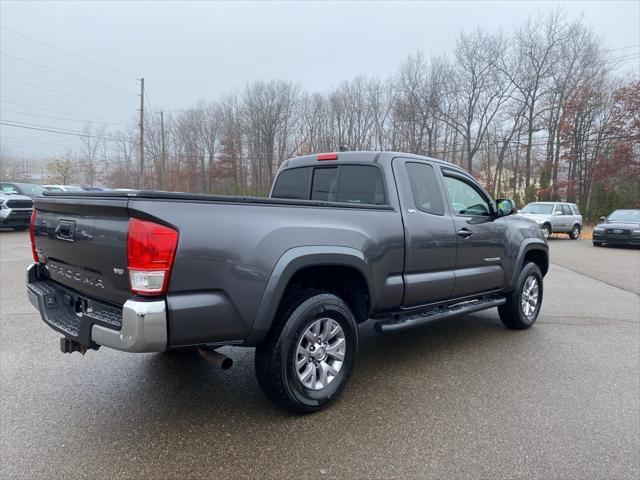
<point x="396" y="239"/>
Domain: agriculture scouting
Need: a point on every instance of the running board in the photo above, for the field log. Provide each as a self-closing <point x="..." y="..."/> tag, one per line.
<point x="406" y="321"/>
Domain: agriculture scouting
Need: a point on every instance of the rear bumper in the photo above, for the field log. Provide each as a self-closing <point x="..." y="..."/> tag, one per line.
<point x="139" y="326"/>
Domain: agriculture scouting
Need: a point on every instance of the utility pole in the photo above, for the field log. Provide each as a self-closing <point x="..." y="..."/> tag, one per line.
<point x="141" y="159"/>
<point x="162" y="153"/>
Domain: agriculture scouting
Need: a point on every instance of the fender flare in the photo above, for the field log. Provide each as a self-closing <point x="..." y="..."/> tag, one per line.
<point x="286" y="267"/>
<point x="527" y="246"/>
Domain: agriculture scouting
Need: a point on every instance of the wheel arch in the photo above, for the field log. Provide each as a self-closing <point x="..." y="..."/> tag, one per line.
<point x="330" y="268"/>
<point x="531" y="250"/>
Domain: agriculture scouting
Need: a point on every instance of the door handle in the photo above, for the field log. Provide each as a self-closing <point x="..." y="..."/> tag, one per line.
<point x="465" y="232"/>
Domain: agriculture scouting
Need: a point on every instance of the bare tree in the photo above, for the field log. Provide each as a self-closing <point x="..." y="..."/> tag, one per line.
<point x="63" y="170"/>
<point x="91" y="140"/>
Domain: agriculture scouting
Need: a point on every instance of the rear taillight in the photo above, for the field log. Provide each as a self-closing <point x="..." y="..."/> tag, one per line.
<point x="150" y="251"/>
<point x="32" y="225"/>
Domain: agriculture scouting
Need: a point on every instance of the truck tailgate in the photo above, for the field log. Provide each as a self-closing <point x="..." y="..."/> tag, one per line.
<point x="82" y="242"/>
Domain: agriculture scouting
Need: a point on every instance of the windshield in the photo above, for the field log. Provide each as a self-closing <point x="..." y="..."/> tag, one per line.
<point x="31" y="189"/>
<point x="625" y="216"/>
<point x="541" y="208"/>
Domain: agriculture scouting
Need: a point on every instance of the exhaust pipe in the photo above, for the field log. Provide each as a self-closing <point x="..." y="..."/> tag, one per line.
<point x="218" y="359"/>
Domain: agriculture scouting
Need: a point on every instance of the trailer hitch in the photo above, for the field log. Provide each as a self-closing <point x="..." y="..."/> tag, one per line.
<point x="70" y="346"/>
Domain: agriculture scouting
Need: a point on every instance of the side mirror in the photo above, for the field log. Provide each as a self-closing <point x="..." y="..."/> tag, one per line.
<point x="603" y="219"/>
<point x="556" y="213"/>
<point x="505" y="206"/>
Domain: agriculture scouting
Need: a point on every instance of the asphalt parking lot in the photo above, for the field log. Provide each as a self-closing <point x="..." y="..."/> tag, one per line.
<point x="462" y="398"/>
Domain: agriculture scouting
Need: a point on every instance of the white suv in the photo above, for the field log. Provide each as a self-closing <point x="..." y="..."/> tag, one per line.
<point x="555" y="217"/>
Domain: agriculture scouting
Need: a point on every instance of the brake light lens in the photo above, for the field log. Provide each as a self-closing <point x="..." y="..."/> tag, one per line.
<point x="327" y="156"/>
<point x="151" y="248"/>
<point x="32" y="224"/>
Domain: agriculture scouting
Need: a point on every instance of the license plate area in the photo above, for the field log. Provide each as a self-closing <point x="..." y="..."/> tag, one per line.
<point x="72" y="313"/>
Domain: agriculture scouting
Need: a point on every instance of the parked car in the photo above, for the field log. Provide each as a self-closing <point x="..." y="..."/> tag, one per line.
<point x="29" y="189"/>
<point x="621" y="227"/>
<point x="63" y="188"/>
<point x="95" y="189"/>
<point x="555" y="217"/>
<point x="15" y="211"/>
<point x="400" y="239"/>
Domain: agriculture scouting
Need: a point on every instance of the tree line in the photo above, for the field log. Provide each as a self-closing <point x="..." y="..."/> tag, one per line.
<point x="539" y="113"/>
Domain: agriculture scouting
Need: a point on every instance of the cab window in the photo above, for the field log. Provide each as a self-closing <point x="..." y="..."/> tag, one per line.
<point x="293" y="184"/>
<point x="342" y="183"/>
<point x="465" y="199"/>
<point x="424" y="188"/>
<point x="360" y="184"/>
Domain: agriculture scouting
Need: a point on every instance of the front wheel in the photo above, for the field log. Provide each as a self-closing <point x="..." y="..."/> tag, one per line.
<point x="546" y="230"/>
<point x="307" y="359"/>
<point x="523" y="303"/>
<point x="575" y="232"/>
<point x="597" y="244"/>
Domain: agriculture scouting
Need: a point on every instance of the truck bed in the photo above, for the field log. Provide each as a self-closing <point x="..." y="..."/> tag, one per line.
<point x="228" y="250"/>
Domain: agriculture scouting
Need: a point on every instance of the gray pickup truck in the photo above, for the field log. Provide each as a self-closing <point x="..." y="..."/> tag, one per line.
<point x="397" y="239"/>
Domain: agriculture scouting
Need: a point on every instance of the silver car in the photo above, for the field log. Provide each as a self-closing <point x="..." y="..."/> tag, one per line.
<point x="15" y="211"/>
<point x="555" y="217"/>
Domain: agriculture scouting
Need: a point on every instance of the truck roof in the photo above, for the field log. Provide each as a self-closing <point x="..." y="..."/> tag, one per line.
<point x="360" y="156"/>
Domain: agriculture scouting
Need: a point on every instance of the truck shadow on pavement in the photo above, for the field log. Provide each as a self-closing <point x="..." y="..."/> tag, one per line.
<point x="180" y="382"/>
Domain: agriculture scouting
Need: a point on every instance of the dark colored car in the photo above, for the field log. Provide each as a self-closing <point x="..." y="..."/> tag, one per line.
<point x="29" y="189"/>
<point x="621" y="227"/>
<point x="399" y="239"/>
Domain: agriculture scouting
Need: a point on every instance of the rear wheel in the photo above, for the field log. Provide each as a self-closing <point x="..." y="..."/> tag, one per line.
<point x="304" y="364"/>
<point x="523" y="303"/>
<point x="574" y="234"/>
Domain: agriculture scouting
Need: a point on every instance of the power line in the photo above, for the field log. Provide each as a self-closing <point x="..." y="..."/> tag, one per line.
<point x="69" y="53"/>
<point x="55" y="111"/>
<point x="45" y="128"/>
<point x="621" y="58"/>
<point x="64" y="93"/>
<point x="57" y="118"/>
<point x="67" y="74"/>
<point x="624" y="48"/>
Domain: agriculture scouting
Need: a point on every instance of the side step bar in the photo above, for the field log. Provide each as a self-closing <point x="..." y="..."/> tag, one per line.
<point x="406" y="321"/>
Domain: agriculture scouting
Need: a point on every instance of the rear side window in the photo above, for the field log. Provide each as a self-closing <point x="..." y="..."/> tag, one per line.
<point x="293" y="184"/>
<point x="424" y="187"/>
<point x="360" y="184"/>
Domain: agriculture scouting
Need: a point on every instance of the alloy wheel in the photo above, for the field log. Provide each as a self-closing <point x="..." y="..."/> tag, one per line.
<point x="320" y="353"/>
<point x="530" y="293"/>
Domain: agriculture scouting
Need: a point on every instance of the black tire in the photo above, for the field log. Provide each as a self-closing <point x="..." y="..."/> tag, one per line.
<point x="574" y="234"/>
<point x="597" y="244"/>
<point x="512" y="313"/>
<point x="546" y="228"/>
<point x="275" y="361"/>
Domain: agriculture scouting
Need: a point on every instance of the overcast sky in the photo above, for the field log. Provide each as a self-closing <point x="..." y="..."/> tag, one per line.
<point x="202" y="50"/>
